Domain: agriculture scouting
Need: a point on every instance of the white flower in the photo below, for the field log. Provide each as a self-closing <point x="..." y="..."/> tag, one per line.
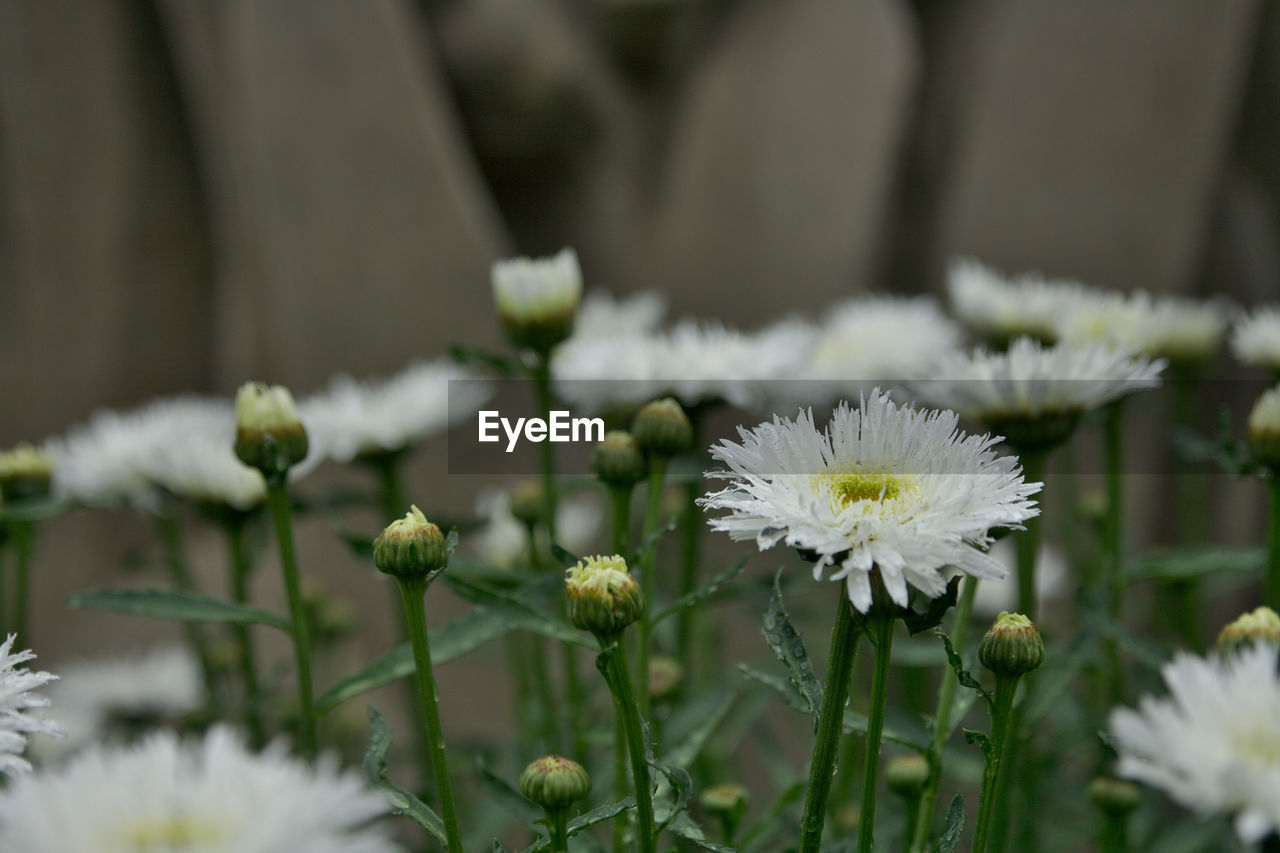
<point x="17" y="702"/>
<point x="1179" y="329"/>
<point x="1214" y="744"/>
<point x="534" y="290"/>
<point x="503" y="540"/>
<point x="265" y="408"/>
<point x="606" y="317"/>
<point x="996" y="596"/>
<point x="1255" y="338"/>
<point x="105" y="699"/>
<point x="882" y="337"/>
<point x="1008" y="307"/>
<point x="883" y="487"/>
<point x="351" y="418"/>
<point x="210" y="795"/>
<point x="1031" y="381"/>
<point x="1264" y="418"/>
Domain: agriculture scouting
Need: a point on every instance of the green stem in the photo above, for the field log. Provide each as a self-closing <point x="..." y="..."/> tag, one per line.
<point x="989" y="823"/>
<point x="176" y="557"/>
<point x="689" y="558"/>
<point x="620" y="519"/>
<point x="522" y="688"/>
<point x="240" y="571"/>
<point x="576" y="702"/>
<point x="558" y="827"/>
<point x="278" y="505"/>
<point x="942" y="722"/>
<point x="547" y="451"/>
<point x="613" y="662"/>
<point x="652" y="518"/>
<point x="844" y="644"/>
<point x="912" y="807"/>
<point x="881" y="628"/>
<point x="1273" y="545"/>
<point x="619" y="781"/>
<point x="1113" y="538"/>
<point x="22" y="535"/>
<point x="1027" y="543"/>
<point x="549" y="727"/>
<point x="415" y="615"/>
<point x="1114" y="835"/>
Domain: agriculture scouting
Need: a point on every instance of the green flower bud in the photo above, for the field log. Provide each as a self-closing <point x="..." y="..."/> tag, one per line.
<point x="727" y="798"/>
<point x="603" y="596"/>
<point x="1114" y="796"/>
<point x="617" y="460"/>
<point x="1012" y="646"/>
<point x="527" y="502"/>
<point x="538" y="298"/>
<point x="1264" y="430"/>
<point x="665" y="677"/>
<point x="1259" y="626"/>
<point x="662" y="428"/>
<point x="411" y="548"/>
<point x="269" y="435"/>
<point x="554" y="782"/>
<point x="906" y="775"/>
<point x="26" y="473"/>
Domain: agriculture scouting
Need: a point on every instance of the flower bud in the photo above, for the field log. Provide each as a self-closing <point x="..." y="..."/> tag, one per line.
<point x="1114" y="796"/>
<point x="25" y="474"/>
<point x="411" y="548"/>
<point x="538" y="298"/>
<point x="727" y="798"/>
<point x="603" y="596"/>
<point x="1264" y="429"/>
<point x="1259" y="626"/>
<point x="662" y="428"/>
<point x="617" y="460"/>
<point x="527" y="502"/>
<point x="269" y="435"/>
<point x="554" y="782"/>
<point x="906" y="775"/>
<point x="665" y="677"/>
<point x="1012" y="646"/>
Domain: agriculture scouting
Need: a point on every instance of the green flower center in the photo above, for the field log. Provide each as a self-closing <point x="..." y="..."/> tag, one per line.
<point x="172" y="833"/>
<point x="849" y="488"/>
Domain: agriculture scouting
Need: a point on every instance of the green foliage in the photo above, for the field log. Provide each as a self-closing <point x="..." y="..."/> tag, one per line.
<point x="175" y="606"/>
<point x="786" y="643"/>
<point x="375" y="775"/>
<point x="954" y="826"/>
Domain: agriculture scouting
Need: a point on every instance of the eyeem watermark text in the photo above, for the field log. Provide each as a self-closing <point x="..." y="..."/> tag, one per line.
<point x="561" y="427"/>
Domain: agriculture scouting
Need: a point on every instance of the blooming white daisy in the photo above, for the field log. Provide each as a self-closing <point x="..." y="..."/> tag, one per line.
<point x="117" y="698"/>
<point x="503" y="540"/>
<point x="1176" y="328"/>
<point x="996" y="596"/>
<point x="210" y="795"/>
<point x="1255" y="338"/>
<point x="604" y="316"/>
<point x="1031" y="380"/>
<point x="532" y="290"/>
<point x="1003" y="307"/>
<point x="1214" y="744"/>
<point x="352" y="418"/>
<point x="884" y="487"/>
<point x="882" y="337"/>
<point x="17" y="704"/>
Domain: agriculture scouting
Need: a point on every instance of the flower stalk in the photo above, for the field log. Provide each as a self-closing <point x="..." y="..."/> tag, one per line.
<point x="880" y="628"/>
<point x="278" y="507"/>
<point x="997" y="761"/>
<point x="612" y="663"/>
<point x="180" y="576"/>
<point x="241" y="567"/>
<point x="652" y="520"/>
<point x="1272" y="596"/>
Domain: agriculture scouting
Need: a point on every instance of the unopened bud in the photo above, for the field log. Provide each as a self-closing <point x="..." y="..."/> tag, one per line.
<point x="665" y="677"/>
<point x="727" y="798"/>
<point x="1264" y="430"/>
<point x="1259" y="626"/>
<point x="603" y="596"/>
<point x="411" y="548"/>
<point x="25" y="474"/>
<point x="662" y="428"/>
<point x="554" y="782"/>
<point x="618" y="461"/>
<point x="538" y="298"/>
<point x="1012" y="646"/>
<point x="269" y="435"/>
<point x="906" y="775"/>
<point x="527" y="502"/>
<point x="1114" y="796"/>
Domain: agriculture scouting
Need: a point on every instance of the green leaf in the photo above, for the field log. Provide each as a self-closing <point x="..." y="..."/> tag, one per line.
<point x="953" y="827"/>
<point x="523" y="615"/>
<point x="448" y="641"/>
<point x="468" y="354"/>
<point x="982" y="740"/>
<point x="375" y="775"/>
<point x="681" y="783"/>
<point x="1186" y="563"/>
<point x="566" y="557"/>
<point x="511" y="800"/>
<point x="585" y="821"/>
<point x="781" y="686"/>
<point x="686" y="752"/>
<point x="937" y="609"/>
<point x="853" y="721"/>
<point x="690" y="831"/>
<point x="963" y="676"/>
<point x="175" y="606"/>
<point x="650" y="542"/>
<point x="703" y="592"/>
<point x="497" y="847"/>
<point x="787" y="644"/>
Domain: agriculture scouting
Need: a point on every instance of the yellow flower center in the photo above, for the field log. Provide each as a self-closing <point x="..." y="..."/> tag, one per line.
<point x="1259" y="745"/>
<point x="850" y="487"/>
<point x="172" y="833"/>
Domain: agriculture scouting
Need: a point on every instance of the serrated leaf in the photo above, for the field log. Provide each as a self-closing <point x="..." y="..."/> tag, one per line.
<point x="787" y="645"/>
<point x="522" y="614"/>
<point x="781" y="686"/>
<point x="953" y="827"/>
<point x="703" y="592"/>
<point x="375" y="775"/>
<point x="963" y="676"/>
<point x="682" y="783"/>
<point x="448" y="642"/>
<point x="983" y="742"/>
<point x="511" y="800"/>
<point x="585" y="821"/>
<point x="175" y="606"/>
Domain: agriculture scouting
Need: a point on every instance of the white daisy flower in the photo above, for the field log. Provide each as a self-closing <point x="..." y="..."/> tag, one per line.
<point x="603" y="316"/>
<point x="116" y="698"/>
<point x="17" y="704"/>
<point x="883" y="487"/>
<point x="210" y="795"/>
<point x="1214" y="744"/>
<point x="503" y="540"/>
<point x="1002" y="307"/>
<point x="1030" y="381"/>
<point x="533" y="291"/>
<point x="1264" y="417"/>
<point x="1051" y="580"/>
<point x="352" y="418"/>
<point x="882" y="337"/>
<point x="1179" y="329"/>
<point x="1255" y="338"/>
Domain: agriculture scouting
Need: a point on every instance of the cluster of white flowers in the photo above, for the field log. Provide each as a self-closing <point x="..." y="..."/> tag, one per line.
<point x="503" y="540"/>
<point x="1002" y="307"/>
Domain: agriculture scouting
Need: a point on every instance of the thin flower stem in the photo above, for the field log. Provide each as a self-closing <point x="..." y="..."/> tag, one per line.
<point x="624" y="702"/>
<point x="547" y="451"/>
<point x="1273" y="546"/>
<point x="619" y="523"/>
<point x="180" y="575"/>
<point x="942" y="722"/>
<point x="1182" y="595"/>
<point x="278" y="506"/>
<point x="989" y="822"/>
<point x="690" y="553"/>
<point x="576" y="701"/>
<point x="241" y="566"/>
<point x="558" y="827"/>
<point x="1113" y="538"/>
<point x="881" y="628"/>
<point x="415" y="615"/>
<point x="1114" y="835"/>
<point x="619" y="519"/>
<point x="1027" y="542"/>
<point x="652" y="518"/>
<point x="844" y="644"/>
<point x="550" y="727"/>
<point x="22" y="535"/>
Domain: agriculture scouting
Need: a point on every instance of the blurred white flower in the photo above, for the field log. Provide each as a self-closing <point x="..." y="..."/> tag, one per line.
<point x="503" y="540"/>
<point x="1002" y="307"/>
<point x="210" y="795"/>
<point x="996" y="596"/>
<point x="602" y="316"/>
<point x="17" y="704"/>
<point x="1264" y="417"/>
<point x="883" y="488"/>
<point x="1255" y="338"/>
<point x="351" y="418"/>
<point x="103" y="700"/>
<point x="531" y="291"/>
<point x="1214" y="744"/>
<point x="1179" y="329"/>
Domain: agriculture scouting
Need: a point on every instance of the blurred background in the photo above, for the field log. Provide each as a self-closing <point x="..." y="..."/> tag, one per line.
<point x="194" y="193"/>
